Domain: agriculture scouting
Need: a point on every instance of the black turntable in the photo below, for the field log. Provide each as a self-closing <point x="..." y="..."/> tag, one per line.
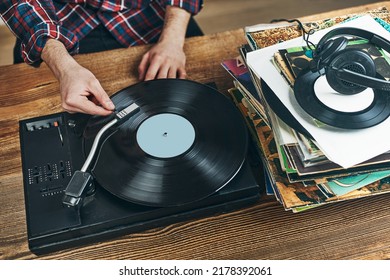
<point x="181" y="155"/>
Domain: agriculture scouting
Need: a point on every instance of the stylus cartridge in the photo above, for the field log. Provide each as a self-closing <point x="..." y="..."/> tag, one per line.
<point x="78" y="186"/>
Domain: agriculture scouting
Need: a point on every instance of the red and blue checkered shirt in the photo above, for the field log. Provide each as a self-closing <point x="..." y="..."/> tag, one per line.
<point x="131" y="22"/>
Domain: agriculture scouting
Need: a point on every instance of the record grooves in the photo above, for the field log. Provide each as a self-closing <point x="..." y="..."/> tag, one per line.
<point x="375" y="113"/>
<point x="208" y="163"/>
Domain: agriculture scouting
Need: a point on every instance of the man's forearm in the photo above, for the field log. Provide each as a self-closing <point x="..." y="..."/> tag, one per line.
<point x="57" y="57"/>
<point x="175" y="25"/>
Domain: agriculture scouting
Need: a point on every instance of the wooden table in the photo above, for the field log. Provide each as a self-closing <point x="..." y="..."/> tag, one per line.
<point x="358" y="229"/>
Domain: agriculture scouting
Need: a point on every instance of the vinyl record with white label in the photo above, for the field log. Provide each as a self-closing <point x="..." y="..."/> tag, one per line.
<point x="373" y="114"/>
<point x="187" y="142"/>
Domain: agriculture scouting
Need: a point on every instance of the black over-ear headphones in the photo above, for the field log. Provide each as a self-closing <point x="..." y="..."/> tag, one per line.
<point x="348" y="71"/>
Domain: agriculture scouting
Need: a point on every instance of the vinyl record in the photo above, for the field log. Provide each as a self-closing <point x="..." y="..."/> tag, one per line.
<point x="281" y="110"/>
<point x="186" y="143"/>
<point x="375" y="113"/>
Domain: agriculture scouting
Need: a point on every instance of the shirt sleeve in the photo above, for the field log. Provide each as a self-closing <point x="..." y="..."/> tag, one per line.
<point x="191" y="6"/>
<point x="34" y="22"/>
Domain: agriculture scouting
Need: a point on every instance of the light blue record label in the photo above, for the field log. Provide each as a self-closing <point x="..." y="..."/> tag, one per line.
<point x="165" y="135"/>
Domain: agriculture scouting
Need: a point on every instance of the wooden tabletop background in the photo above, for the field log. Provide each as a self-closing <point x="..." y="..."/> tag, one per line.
<point x="358" y="229"/>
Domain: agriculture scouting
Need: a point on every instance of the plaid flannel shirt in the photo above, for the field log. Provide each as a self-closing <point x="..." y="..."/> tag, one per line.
<point x="130" y="22"/>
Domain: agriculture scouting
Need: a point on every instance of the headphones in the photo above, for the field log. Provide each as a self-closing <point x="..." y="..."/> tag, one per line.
<point x="348" y="71"/>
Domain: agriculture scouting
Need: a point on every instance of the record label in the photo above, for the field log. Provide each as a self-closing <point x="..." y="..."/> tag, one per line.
<point x="165" y="135"/>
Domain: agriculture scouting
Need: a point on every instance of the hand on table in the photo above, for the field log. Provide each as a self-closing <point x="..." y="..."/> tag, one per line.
<point x="166" y="59"/>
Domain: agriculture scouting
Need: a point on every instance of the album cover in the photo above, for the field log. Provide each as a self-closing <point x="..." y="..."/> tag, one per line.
<point x="242" y="80"/>
<point x="264" y="35"/>
<point x="283" y="67"/>
<point x="238" y="70"/>
<point x="308" y="151"/>
<point x="342" y="186"/>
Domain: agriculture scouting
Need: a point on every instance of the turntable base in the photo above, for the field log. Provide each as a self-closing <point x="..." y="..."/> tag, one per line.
<point x="51" y="151"/>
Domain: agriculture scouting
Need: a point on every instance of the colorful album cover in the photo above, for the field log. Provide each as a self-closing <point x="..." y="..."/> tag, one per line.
<point x="240" y="72"/>
<point x="341" y="186"/>
<point x="283" y="67"/>
<point x="262" y="36"/>
<point x="242" y="80"/>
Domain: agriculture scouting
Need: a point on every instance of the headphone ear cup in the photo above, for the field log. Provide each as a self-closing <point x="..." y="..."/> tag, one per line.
<point x="354" y="60"/>
<point x="329" y="48"/>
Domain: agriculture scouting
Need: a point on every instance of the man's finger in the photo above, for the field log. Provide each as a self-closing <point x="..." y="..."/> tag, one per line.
<point x="89" y="107"/>
<point x="172" y="73"/>
<point x="181" y="73"/>
<point x="163" y="72"/>
<point x="84" y="105"/>
<point x="101" y="96"/>
<point x="143" y="66"/>
<point x="152" y="71"/>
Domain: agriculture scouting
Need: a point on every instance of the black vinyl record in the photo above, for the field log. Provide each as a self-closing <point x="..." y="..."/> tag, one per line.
<point x="375" y="113"/>
<point x="281" y="110"/>
<point x="204" y="122"/>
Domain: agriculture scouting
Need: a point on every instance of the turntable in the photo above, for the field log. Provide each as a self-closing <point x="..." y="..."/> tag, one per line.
<point x="181" y="153"/>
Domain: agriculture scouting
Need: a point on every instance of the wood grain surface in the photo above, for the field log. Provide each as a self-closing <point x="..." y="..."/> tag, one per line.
<point x="358" y="229"/>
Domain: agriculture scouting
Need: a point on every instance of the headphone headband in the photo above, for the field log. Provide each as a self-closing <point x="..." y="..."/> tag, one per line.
<point x="371" y="37"/>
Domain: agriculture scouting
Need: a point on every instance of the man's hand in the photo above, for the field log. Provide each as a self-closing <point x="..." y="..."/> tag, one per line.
<point x="79" y="88"/>
<point x="163" y="60"/>
<point x="166" y="59"/>
<point x="82" y="92"/>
